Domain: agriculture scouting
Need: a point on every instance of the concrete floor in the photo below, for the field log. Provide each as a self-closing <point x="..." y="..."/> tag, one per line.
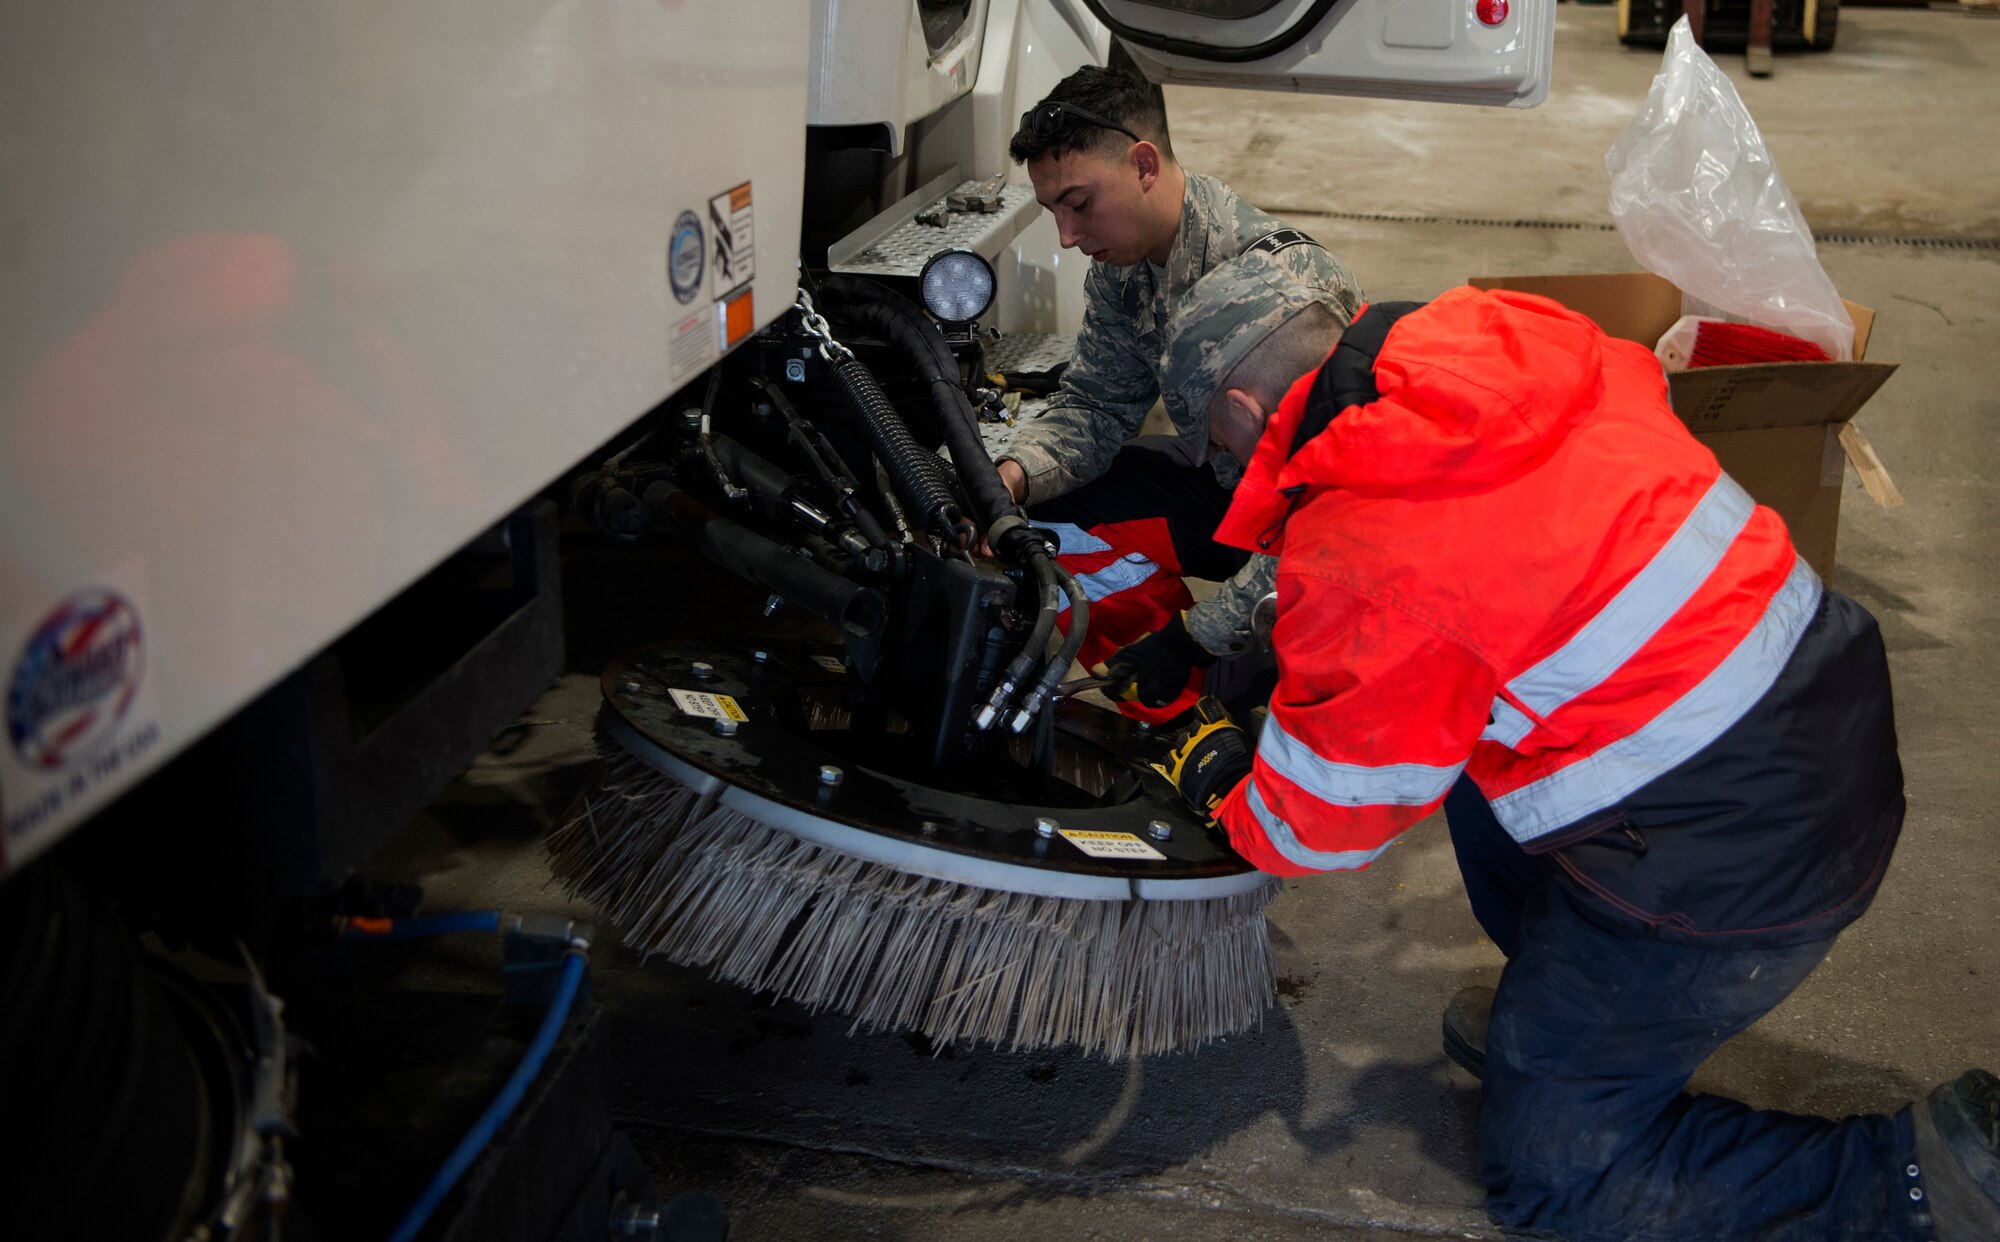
<point x="1341" y="1118"/>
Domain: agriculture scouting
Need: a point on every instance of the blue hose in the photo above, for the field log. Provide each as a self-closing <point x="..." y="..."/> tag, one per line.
<point x="501" y="1108"/>
<point x="420" y="925"/>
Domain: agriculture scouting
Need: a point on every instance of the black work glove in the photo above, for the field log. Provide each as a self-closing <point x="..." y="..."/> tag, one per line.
<point x="1209" y="759"/>
<point x="1155" y="669"/>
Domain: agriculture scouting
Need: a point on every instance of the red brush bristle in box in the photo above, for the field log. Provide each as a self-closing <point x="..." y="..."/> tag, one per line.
<point x="1735" y="344"/>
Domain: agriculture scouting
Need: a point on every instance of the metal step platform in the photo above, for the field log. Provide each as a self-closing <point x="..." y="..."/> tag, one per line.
<point x="1022" y="351"/>
<point x="895" y="243"/>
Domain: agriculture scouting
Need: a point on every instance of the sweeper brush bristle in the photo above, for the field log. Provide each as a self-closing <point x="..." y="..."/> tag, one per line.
<point x="704" y="885"/>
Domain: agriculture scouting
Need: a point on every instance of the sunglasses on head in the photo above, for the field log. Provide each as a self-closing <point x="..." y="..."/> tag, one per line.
<point x="1045" y="120"/>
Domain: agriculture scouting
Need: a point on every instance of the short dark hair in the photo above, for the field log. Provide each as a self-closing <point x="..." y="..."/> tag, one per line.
<point x="1123" y="98"/>
<point x="1296" y="347"/>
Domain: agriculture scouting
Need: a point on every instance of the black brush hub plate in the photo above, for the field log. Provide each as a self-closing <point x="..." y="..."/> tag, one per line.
<point x="980" y="830"/>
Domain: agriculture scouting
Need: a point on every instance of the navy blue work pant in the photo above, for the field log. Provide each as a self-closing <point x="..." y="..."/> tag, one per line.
<point x="1585" y="1128"/>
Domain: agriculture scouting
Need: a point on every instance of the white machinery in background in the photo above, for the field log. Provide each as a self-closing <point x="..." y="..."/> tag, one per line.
<point x="302" y="309"/>
<point x="1493" y="52"/>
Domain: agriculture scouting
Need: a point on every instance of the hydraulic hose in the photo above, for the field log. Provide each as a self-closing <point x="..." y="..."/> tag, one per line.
<point x="782" y="498"/>
<point x="882" y="309"/>
<point x="860" y="612"/>
<point x="770" y="488"/>
<point x="896" y="516"/>
<point x="416" y="926"/>
<point x="503" y="1105"/>
<point x="1058" y="667"/>
<point x="826" y="464"/>
<point x="917" y="472"/>
<point x="1022" y="668"/>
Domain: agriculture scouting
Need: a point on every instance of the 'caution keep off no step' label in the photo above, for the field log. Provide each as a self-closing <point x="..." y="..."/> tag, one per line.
<point x="1109" y="844"/>
<point x="708" y="706"/>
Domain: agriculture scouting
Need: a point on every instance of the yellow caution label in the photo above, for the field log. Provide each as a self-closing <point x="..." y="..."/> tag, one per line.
<point x="708" y="706"/>
<point x="1109" y="844"/>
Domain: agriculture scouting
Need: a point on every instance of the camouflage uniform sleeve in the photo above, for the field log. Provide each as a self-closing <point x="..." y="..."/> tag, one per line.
<point x="1221" y="623"/>
<point x="1318" y="266"/>
<point x="1105" y="394"/>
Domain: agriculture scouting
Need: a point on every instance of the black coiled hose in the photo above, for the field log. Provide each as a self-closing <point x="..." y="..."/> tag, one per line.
<point x="896" y="319"/>
<point x="94" y="1053"/>
<point x="916" y="471"/>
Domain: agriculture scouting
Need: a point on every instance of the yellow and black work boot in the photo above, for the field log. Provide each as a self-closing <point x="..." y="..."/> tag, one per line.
<point x="1957" y="1173"/>
<point x="1465" y="1022"/>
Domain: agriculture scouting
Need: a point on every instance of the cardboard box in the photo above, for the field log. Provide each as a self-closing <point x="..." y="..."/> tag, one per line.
<point x="1780" y="429"/>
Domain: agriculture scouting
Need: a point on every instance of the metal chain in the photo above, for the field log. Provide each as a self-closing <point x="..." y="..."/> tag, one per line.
<point x="829" y="349"/>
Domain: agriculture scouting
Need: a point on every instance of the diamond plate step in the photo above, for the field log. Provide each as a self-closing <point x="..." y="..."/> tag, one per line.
<point x="1022" y="351"/>
<point x="894" y="244"/>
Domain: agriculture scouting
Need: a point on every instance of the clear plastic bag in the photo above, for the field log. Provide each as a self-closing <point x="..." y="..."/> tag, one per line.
<point x="1700" y="202"/>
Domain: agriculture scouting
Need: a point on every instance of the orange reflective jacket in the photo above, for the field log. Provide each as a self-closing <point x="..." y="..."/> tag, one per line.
<point x="1502" y="554"/>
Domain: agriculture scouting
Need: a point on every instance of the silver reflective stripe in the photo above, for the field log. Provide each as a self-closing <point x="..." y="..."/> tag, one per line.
<point x="1352" y="784"/>
<point x="1692" y="722"/>
<point x="1072" y="540"/>
<point x="1633" y="616"/>
<point x="1508" y="726"/>
<point x="1128" y="571"/>
<point x="1286" y="842"/>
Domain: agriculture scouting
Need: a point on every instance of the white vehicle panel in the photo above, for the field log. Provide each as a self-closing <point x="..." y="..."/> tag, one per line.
<point x="872" y="63"/>
<point x="294" y="301"/>
<point x="1492" y="52"/>
<point x="1030" y="45"/>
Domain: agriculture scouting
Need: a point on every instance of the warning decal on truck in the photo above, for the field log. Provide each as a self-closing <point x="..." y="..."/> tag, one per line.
<point x="732" y="261"/>
<point x="1110" y="844"/>
<point x="691" y="347"/>
<point x="736" y="317"/>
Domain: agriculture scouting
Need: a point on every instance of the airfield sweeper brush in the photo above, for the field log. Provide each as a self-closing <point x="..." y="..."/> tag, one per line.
<point x="745" y="823"/>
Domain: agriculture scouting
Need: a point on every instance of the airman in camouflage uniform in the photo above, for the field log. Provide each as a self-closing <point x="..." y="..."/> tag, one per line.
<point x="1227" y="315"/>
<point x="1120" y="367"/>
<point x="1077" y="466"/>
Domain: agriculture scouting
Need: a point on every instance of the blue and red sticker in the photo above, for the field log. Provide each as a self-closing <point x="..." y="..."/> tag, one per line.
<point x="75" y="679"/>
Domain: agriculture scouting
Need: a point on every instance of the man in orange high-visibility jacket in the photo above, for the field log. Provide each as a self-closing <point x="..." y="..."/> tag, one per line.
<point x="1506" y="572"/>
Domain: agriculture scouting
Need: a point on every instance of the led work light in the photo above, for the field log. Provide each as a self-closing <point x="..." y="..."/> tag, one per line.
<point x="957" y="286"/>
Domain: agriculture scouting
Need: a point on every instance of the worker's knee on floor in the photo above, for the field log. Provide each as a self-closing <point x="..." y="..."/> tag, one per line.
<point x="1545" y="1142"/>
<point x="1536" y="1176"/>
